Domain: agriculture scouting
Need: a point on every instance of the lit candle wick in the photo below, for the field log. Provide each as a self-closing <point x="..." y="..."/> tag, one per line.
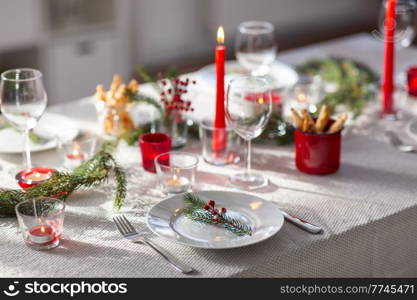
<point x="301" y="97"/>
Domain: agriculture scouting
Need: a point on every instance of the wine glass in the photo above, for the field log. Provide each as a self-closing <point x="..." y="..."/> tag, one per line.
<point x="255" y="46"/>
<point x="248" y="108"/>
<point x="405" y="16"/>
<point x="23" y="101"/>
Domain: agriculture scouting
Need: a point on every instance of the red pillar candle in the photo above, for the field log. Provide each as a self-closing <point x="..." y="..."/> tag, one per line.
<point x="387" y="83"/>
<point x="219" y="138"/>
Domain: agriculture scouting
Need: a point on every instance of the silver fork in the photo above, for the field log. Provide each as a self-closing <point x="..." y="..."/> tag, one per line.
<point x="399" y="144"/>
<point x="129" y="232"/>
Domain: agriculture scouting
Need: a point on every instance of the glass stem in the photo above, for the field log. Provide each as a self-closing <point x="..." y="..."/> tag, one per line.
<point x="26" y="154"/>
<point x="249" y="157"/>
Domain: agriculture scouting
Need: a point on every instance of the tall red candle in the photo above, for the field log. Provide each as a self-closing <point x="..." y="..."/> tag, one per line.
<point x="219" y="138"/>
<point x="387" y="83"/>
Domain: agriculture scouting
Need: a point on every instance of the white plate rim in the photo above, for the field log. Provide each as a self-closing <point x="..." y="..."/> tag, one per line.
<point x="280" y="219"/>
<point x="47" y="146"/>
<point x="235" y="63"/>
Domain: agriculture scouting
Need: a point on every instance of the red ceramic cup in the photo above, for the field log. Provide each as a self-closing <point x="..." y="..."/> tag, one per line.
<point x="151" y="145"/>
<point x="317" y="153"/>
<point x="412" y="81"/>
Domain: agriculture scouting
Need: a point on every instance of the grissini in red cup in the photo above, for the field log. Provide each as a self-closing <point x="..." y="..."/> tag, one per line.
<point x="318" y="141"/>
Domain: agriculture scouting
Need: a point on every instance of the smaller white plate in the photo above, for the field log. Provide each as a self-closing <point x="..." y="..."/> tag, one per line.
<point x="166" y="220"/>
<point x="50" y="124"/>
<point x="280" y="74"/>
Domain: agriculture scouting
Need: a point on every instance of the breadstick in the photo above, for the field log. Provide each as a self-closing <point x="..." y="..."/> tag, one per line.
<point x="133" y="86"/>
<point x="114" y="85"/>
<point x="323" y="118"/>
<point x="338" y="124"/>
<point x="297" y="119"/>
<point x="101" y="92"/>
<point x="121" y="91"/>
<point x="308" y="123"/>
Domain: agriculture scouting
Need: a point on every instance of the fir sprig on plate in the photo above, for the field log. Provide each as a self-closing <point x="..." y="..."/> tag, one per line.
<point x="200" y="211"/>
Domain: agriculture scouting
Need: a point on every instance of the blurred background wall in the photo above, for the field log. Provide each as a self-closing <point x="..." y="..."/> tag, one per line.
<point x="79" y="43"/>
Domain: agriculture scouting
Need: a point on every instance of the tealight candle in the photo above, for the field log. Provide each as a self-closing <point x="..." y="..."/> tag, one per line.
<point x="41" y="234"/>
<point x="41" y="222"/>
<point x="177" y="184"/>
<point x="75" y="158"/>
<point x="31" y="177"/>
<point x="176" y="171"/>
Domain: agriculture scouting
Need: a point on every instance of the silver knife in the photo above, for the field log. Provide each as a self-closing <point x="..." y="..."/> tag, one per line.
<point x="303" y="224"/>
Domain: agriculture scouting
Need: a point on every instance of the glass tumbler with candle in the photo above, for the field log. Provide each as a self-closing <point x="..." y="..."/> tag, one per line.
<point x="176" y="171"/>
<point x="306" y="93"/>
<point x="41" y="222"/>
<point x="74" y="150"/>
<point x="229" y="155"/>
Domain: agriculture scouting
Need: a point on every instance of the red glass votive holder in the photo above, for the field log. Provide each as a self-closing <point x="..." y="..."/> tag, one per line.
<point x="412" y="81"/>
<point x="317" y="153"/>
<point x="151" y="145"/>
<point x="31" y="177"/>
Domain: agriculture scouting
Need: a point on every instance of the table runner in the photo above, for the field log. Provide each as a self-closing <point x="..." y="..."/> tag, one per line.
<point x="368" y="211"/>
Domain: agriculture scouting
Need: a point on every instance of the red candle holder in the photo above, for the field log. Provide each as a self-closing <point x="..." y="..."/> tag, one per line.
<point x="412" y="81"/>
<point x="151" y="145"/>
<point x="31" y="177"/>
<point x="317" y="153"/>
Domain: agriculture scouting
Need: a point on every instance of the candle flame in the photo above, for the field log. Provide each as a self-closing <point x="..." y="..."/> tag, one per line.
<point x="76" y="149"/>
<point x="261" y="100"/>
<point x="301" y="97"/>
<point x="220" y="35"/>
<point x="42" y="229"/>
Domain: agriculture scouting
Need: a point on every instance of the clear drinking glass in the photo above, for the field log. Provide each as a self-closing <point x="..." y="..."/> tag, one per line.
<point x="248" y="108"/>
<point x="176" y="171"/>
<point x="255" y="46"/>
<point x="23" y="101"/>
<point x="405" y="21"/>
<point x="41" y="221"/>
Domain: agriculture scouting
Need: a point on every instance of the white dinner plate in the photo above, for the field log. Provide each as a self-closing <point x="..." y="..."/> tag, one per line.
<point x="50" y="124"/>
<point x="167" y="220"/>
<point x="281" y="75"/>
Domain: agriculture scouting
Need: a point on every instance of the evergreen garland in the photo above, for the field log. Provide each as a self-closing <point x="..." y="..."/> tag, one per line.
<point x="91" y="173"/>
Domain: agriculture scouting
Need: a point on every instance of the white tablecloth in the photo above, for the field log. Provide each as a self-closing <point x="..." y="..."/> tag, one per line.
<point x="368" y="209"/>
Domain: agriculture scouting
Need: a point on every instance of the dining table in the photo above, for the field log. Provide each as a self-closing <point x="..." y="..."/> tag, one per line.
<point x="368" y="209"/>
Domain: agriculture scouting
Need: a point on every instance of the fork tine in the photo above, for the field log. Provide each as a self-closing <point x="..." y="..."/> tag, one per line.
<point x="116" y="221"/>
<point x="123" y="225"/>
<point x="129" y="225"/>
<point x="129" y="230"/>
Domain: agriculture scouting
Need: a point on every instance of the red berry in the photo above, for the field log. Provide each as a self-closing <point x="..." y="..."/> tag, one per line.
<point x="215" y="218"/>
<point x="206" y="207"/>
<point x="223" y="210"/>
<point x="214" y="212"/>
<point x="211" y="203"/>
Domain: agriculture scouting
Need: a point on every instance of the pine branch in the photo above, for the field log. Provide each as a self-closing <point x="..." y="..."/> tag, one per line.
<point x="91" y="173"/>
<point x="193" y="201"/>
<point x="196" y="210"/>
